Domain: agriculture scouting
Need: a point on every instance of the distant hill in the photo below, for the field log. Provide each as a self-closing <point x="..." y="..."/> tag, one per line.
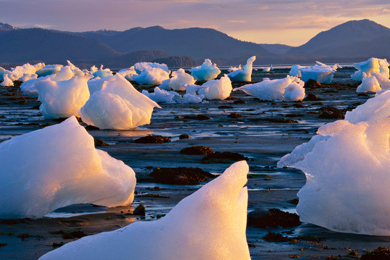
<point x="350" y="39"/>
<point x="198" y="43"/>
<point x="30" y="45"/>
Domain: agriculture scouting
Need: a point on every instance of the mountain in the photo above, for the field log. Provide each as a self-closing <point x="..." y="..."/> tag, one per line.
<point x="350" y="39"/>
<point x="198" y="43"/>
<point x="7" y="27"/>
<point x="32" y="45"/>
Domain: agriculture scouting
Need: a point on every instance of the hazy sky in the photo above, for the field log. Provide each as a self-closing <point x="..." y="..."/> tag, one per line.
<point x="291" y="22"/>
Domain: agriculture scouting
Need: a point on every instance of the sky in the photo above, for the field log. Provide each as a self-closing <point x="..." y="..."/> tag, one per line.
<point x="291" y="22"/>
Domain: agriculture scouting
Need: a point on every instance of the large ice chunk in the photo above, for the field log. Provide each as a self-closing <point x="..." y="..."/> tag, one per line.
<point x="49" y="70"/>
<point x="141" y="66"/>
<point x="347" y="170"/>
<point x="62" y="99"/>
<point x="128" y="73"/>
<point x="294" y="92"/>
<point x="178" y="81"/>
<point x="58" y="166"/>
<point x="217" y="89"/>
<point x="163" y="96"/>
<point x="7" y="82"/>
<point x="384" y="81"/>
<point x="374" y="109"/>
<point x="369" y="85"/>
<point x="244" y="74"/>
<point x="372" y="65"/>
<point x="206" y="71"/>
<point x="209" y="224"/>
<point x="116" y="104"/>
<point x="320" y="72"/>
<point x="151" y="76"/>
<point x="274" y="89"/>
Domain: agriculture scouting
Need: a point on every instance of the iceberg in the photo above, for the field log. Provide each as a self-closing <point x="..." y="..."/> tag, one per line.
<point x="49" y="70"/>
<point x="151" y="76"/>
<point x="18" y="72"/>
<point x="128" y="73"/>
<point x="244" y="74"/>
<point x="102" y="73"/>
<point x="372" y="65"/>
<point x="209" y="224"/>
<point x="141" y="66"/>
<point x="59" y="166"/>
<point x="271" y="90"/>
<point x="320" y="72"/>
<point x="369" y="85"/>
<point x="384" y="81"/>
<point x="117" y="105"/>
<point x="178" y="80"/>
<point x="296" y="71"/>
<point x="346" y="167"/>
<point x="27" y="77"/>
<point x="294" y="92"/>
<point x="7" y="82"/>
<point x="163" y="96"/>
<point x="192" y="98"/>
<point x="217" y="89"/>
<point x="207" y="71"/>
<point x="61" y="99"/>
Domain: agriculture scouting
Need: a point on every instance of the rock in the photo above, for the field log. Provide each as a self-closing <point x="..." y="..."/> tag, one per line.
<point x="224" y="157"/>
<point x="234" y="115"/>
<point x="184" y="136"/>
<point x="281" y="120"/>
<point x="329" y="112"/>
<point x="197" y="117"/>
<point x="140" y="210"/>
<point x="239" y="101"/>
<point x="180" y="176"/>
<point x="381" y="253"/>
<point x="99" y="142"/>
<point x="311" y="83"/>
<point x="197" y="150"/>
<point x="273" y="218"/>
<point x="149" y="139"/>
<point x="311" y="97"/>
<point x="275" y="237"/>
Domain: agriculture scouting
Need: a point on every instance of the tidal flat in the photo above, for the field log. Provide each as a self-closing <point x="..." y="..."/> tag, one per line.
<point x="261" y="131"/>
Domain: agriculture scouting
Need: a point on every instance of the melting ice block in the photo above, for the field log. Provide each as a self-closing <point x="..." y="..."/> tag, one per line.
<point x="207" y="71"/>
<point x="62" y="99"/>
<point x="178" y="80"/>
<point x="116" y="104"/>
<point x="128" y="73"/>
<point x="141" y="66"/>
<point x="294" y="92"/>
<point x="347" y="171"/>
<point x="217" y="89"/>
<point x="102" y="73"/>
<point x="369" y="85"/>
<point x="7" y="82"/>
<point x="163" y="96"/>
<point x="244" y="74"/>
<point x="59" y="166"/>
<point x="209" y="224"/>
<point x="49" y="70"/>
<point x="372" y="65"/>
<point x="275" y="89"/>
<point x="151" y="76"/>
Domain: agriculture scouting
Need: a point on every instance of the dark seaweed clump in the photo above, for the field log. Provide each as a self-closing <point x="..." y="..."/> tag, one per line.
<point x="224" y="157"/>
<point x="197" y="150"/>
<point x="153" y="139"/>
<point x="180" y="176"/>
<point x="272" y="218"/>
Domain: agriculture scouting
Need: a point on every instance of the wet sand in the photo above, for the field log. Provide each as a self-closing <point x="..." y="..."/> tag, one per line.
<point x="260" y="134"/>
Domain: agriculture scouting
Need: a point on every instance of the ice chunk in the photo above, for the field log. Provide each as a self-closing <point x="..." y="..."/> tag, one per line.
<point x="117" y="105"/>
<point x="18" y="72"/>
<point x="7" y="82"/>
<point x="49" y="70"/>
<point x="245" y="74"/>
<point x="178" y="80"/>
<point x="369" y="85"/>
<point x="76" y="71"/>
<point x="151" y="76"/>
<point x="128" y="73"/>
<point x="346" y="167"/>
<point x="231" y="69"/>
<point x="62" y="99"/>
<point x="209" y="224"/>
<point x="270" y="89"/>
<point x="296" y="71"/>
<point x="102" y="73"/>
<point x="206" y="71"/>
<point x="27" y="77"/>
<point x="217" y="89"/>
<point x="192" y="98"/>
<point x="374" y="109"/>
<point x="58" y="166"/>
<point x="384" y="81"/>
<point x="141" y="66"/>
<point x="372" y="65"/>
<point x="294" y="91"/>
<point x="320" y="72"/>
<point x="163" y="96"/>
